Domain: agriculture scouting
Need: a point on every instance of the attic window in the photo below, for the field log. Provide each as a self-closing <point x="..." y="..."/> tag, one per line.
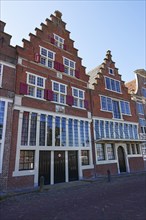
<point x="111" y="71"/>
<point x="59" y="42"/>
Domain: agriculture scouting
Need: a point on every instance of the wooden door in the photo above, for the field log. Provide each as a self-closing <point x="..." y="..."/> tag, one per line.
<point x="44" y="166"/>
<point x="121" y="158"/>
<point x="59" y="166"/>
<point x="73" y="165"/>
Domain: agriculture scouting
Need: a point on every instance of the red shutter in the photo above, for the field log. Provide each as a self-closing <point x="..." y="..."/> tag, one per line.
<point x="23" y="88"/>
<point x="45" y="94"/>
<point x="77" y="74"/>
<point x="52" y="40"/>
<point x="50" y="95"/>
<point x="69" y="100"/>
<point x="64" y="47"/>
<point x="37" y="57"/>
<point x="61" y="67"/>
<point x="86" y="104"/>
<point x="58" y="66"/>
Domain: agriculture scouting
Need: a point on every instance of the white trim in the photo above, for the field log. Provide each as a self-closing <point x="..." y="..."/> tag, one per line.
<point x="7" y="64"/>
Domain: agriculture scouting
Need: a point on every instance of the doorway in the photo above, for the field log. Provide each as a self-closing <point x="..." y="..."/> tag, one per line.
<point x="59" y="166"/>
<point x="121" y="158"/>
<point x="44" y="166"/>
<point x="73" y="165"/>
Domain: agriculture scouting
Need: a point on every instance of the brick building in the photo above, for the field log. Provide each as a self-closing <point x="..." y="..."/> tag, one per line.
<point x="67" y="125"/>
<point x="115" y="122"/>
<point x="7" y="92"/>
<point x="137" y="89"/>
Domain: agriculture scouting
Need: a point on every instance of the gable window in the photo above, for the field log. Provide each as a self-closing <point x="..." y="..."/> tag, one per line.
<point x="111" y="71"/>
<point x="36" y="85"/>
<point x="125" y="108"/>
<point x="60" y="92"/>
<point x="106" y="103"/>
<point x="78" y="97"/>
<point x="113" y="85"/>
<point x="59" y="41"/>
<point x="47" y="57"/>
<point x="1" y="72"/>
<point x="69" y="66"/>
<point x="140" y="108"/>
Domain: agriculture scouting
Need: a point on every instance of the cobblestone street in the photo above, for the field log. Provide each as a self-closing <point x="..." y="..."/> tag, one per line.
<point x="123" y="198"/>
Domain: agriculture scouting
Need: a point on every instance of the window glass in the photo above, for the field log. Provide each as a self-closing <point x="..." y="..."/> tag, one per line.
<point x="33" y="128"/>
<point x="100" y="152"/>
<point x="85" y="157"/>
<point x="42" y="130"/>
<point x="70" y="130"/>
<point x="49" y="130"/>
<point x="57" y="131"/>
<point x="59" y="94"/>
<point x="78" y="97"/>
<point x="82" y="139"/>
<point x="69" y="66"/>
<point x="63" y="131"/>
<point x="47" y="57"/>
<point x="76" y="134"/>
<point x="110" y="152"/>
<point x="2" y="112"/>
<point x="116" y="110"/>
<point x="26" y="161"/>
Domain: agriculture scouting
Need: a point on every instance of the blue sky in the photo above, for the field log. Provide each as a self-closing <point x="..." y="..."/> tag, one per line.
<point x="95" y="26"/>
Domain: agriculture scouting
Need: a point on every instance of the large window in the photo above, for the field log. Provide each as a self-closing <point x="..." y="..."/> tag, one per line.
<point x="36" y="86"/>
<point x="125" y="108"/>
<point x="33" y="128"/>
<point x="142" y="123"/>
<point x="69" y="66"/>
<point x="42" y="130"/>
<point x="26" y="160"/>
<point x="49" y="130"/>
<point x="25" y="126"/>
<point x="106" y="103"/>
<point x="60" y="92"/>
<point x="47" y="57"/>
<point x="2" y="112"/>
<point x="78" y="97"/>
<point x="57" y="131"/>
<point x="116" y="110"/>
<point x="112" y="84"/>
<point x="140" y="108"/>
<point x="59" y="41"/>
<point x="1" y="73"/>
<point x="110" y="152"/>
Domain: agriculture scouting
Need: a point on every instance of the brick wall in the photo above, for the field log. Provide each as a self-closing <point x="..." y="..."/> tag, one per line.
<point x="136" y="164"/>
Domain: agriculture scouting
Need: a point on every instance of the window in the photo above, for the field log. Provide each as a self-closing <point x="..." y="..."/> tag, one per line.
<point x="33" y="128"/>
<point x="2" y="112"/>
<point x="112" y="85"/>
<point x="142" y="123"/>
<point x="85" y="157"/>
<point x="1" y="74"/>
<point x="49" y="130"/>
<point x="97" y="134"/>
<point x="25" y="126"/>
<point x="111" y="71"/>
<point x="69" y="66"/>
<point x="137" y="148"/>
<point x="59" y="94"/>
<point x="42" y="130"/>
<point x="140" y="108"/>
<point x="100" y="152"/>
<point x="47" y="57"/>
<point x="82" y="139"/>
<point x="107" y="129"/>
<point x="76" y="135"/>
<point x="125" y="108"/>
<point x="78" y="97"/>
<point x="106" y="103"/>
<point x="110" y="152"/>
<point x="57" y="131"/>
<point x="70" y="131"/>
<point x="26" y="160"/>
<point x="63" y="132"/>
<point x="116" y="110"/>
<point x="128" y="149"/>
<point x="133" y="148"/>
<point x="59" y="42"/>
<point x="144" y="92"/>
<point x="36" y="86"/>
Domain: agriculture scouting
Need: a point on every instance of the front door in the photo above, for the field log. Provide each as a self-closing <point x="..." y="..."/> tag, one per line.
<point x="73" y="165"/>
<point x="121" y="158"/>
<point x="59" y="166"/>
<point x="44" y="166"/>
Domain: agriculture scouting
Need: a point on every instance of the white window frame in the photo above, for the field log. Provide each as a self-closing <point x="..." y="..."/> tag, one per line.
<point x="78" y="99"/>
<point x="1" y="74"/>
<point x="141" y="108"/>
<point x="59" y="92"/>
<point x="125" y="110"/>
<point x="111" y="85"/>
<point x="110" y="72"/>
<point x="46" y="58"/>
<point x="70" y="69"/>
<point x="58" y="42"/>
<point x="35" y="86"/>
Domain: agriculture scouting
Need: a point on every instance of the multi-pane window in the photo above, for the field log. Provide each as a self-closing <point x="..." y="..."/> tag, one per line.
<point x="70" y="132"/>
<point x="57" y="131"/>
<point x="126" y="131"/>
<point x="36" y="86"/>
<point x="78" y="97"/>
<point x="2" y="112"/>
<point x="60" y="92"/>
<point x="102" y="128"/>
<point x="106" y="103"/>
<point x="125" y="108"/>
<point x="69" y="66"/>
<point x="26" y="160"/>
<point x="82" y="139"/>
<point x="63" y="140"/>
<point x="142" y="123"/>
<point x="128" y="149"/>
<point x="49" y="130"/>
<point x="76" y="133"/>
<point x="100" y="152"/>
<point x="116" y="110"/>
<point x="85" y="157"/>
<point x="59" y="41"/>
<point x="97" y="134"/>
<point x="140" y="108"/>
<point x="42" y="130"/>
<point x="33" y="128"/>
<point x="25" y="126"/>
<point x="47" y="57"/>
<point x="110" y="152"/>
<point x="107" y="132"/>
<point x="1" y="72"/>
<point x="86" y="134"/>
<point x="133" y="148"/>
<point x="112" y="84"/>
